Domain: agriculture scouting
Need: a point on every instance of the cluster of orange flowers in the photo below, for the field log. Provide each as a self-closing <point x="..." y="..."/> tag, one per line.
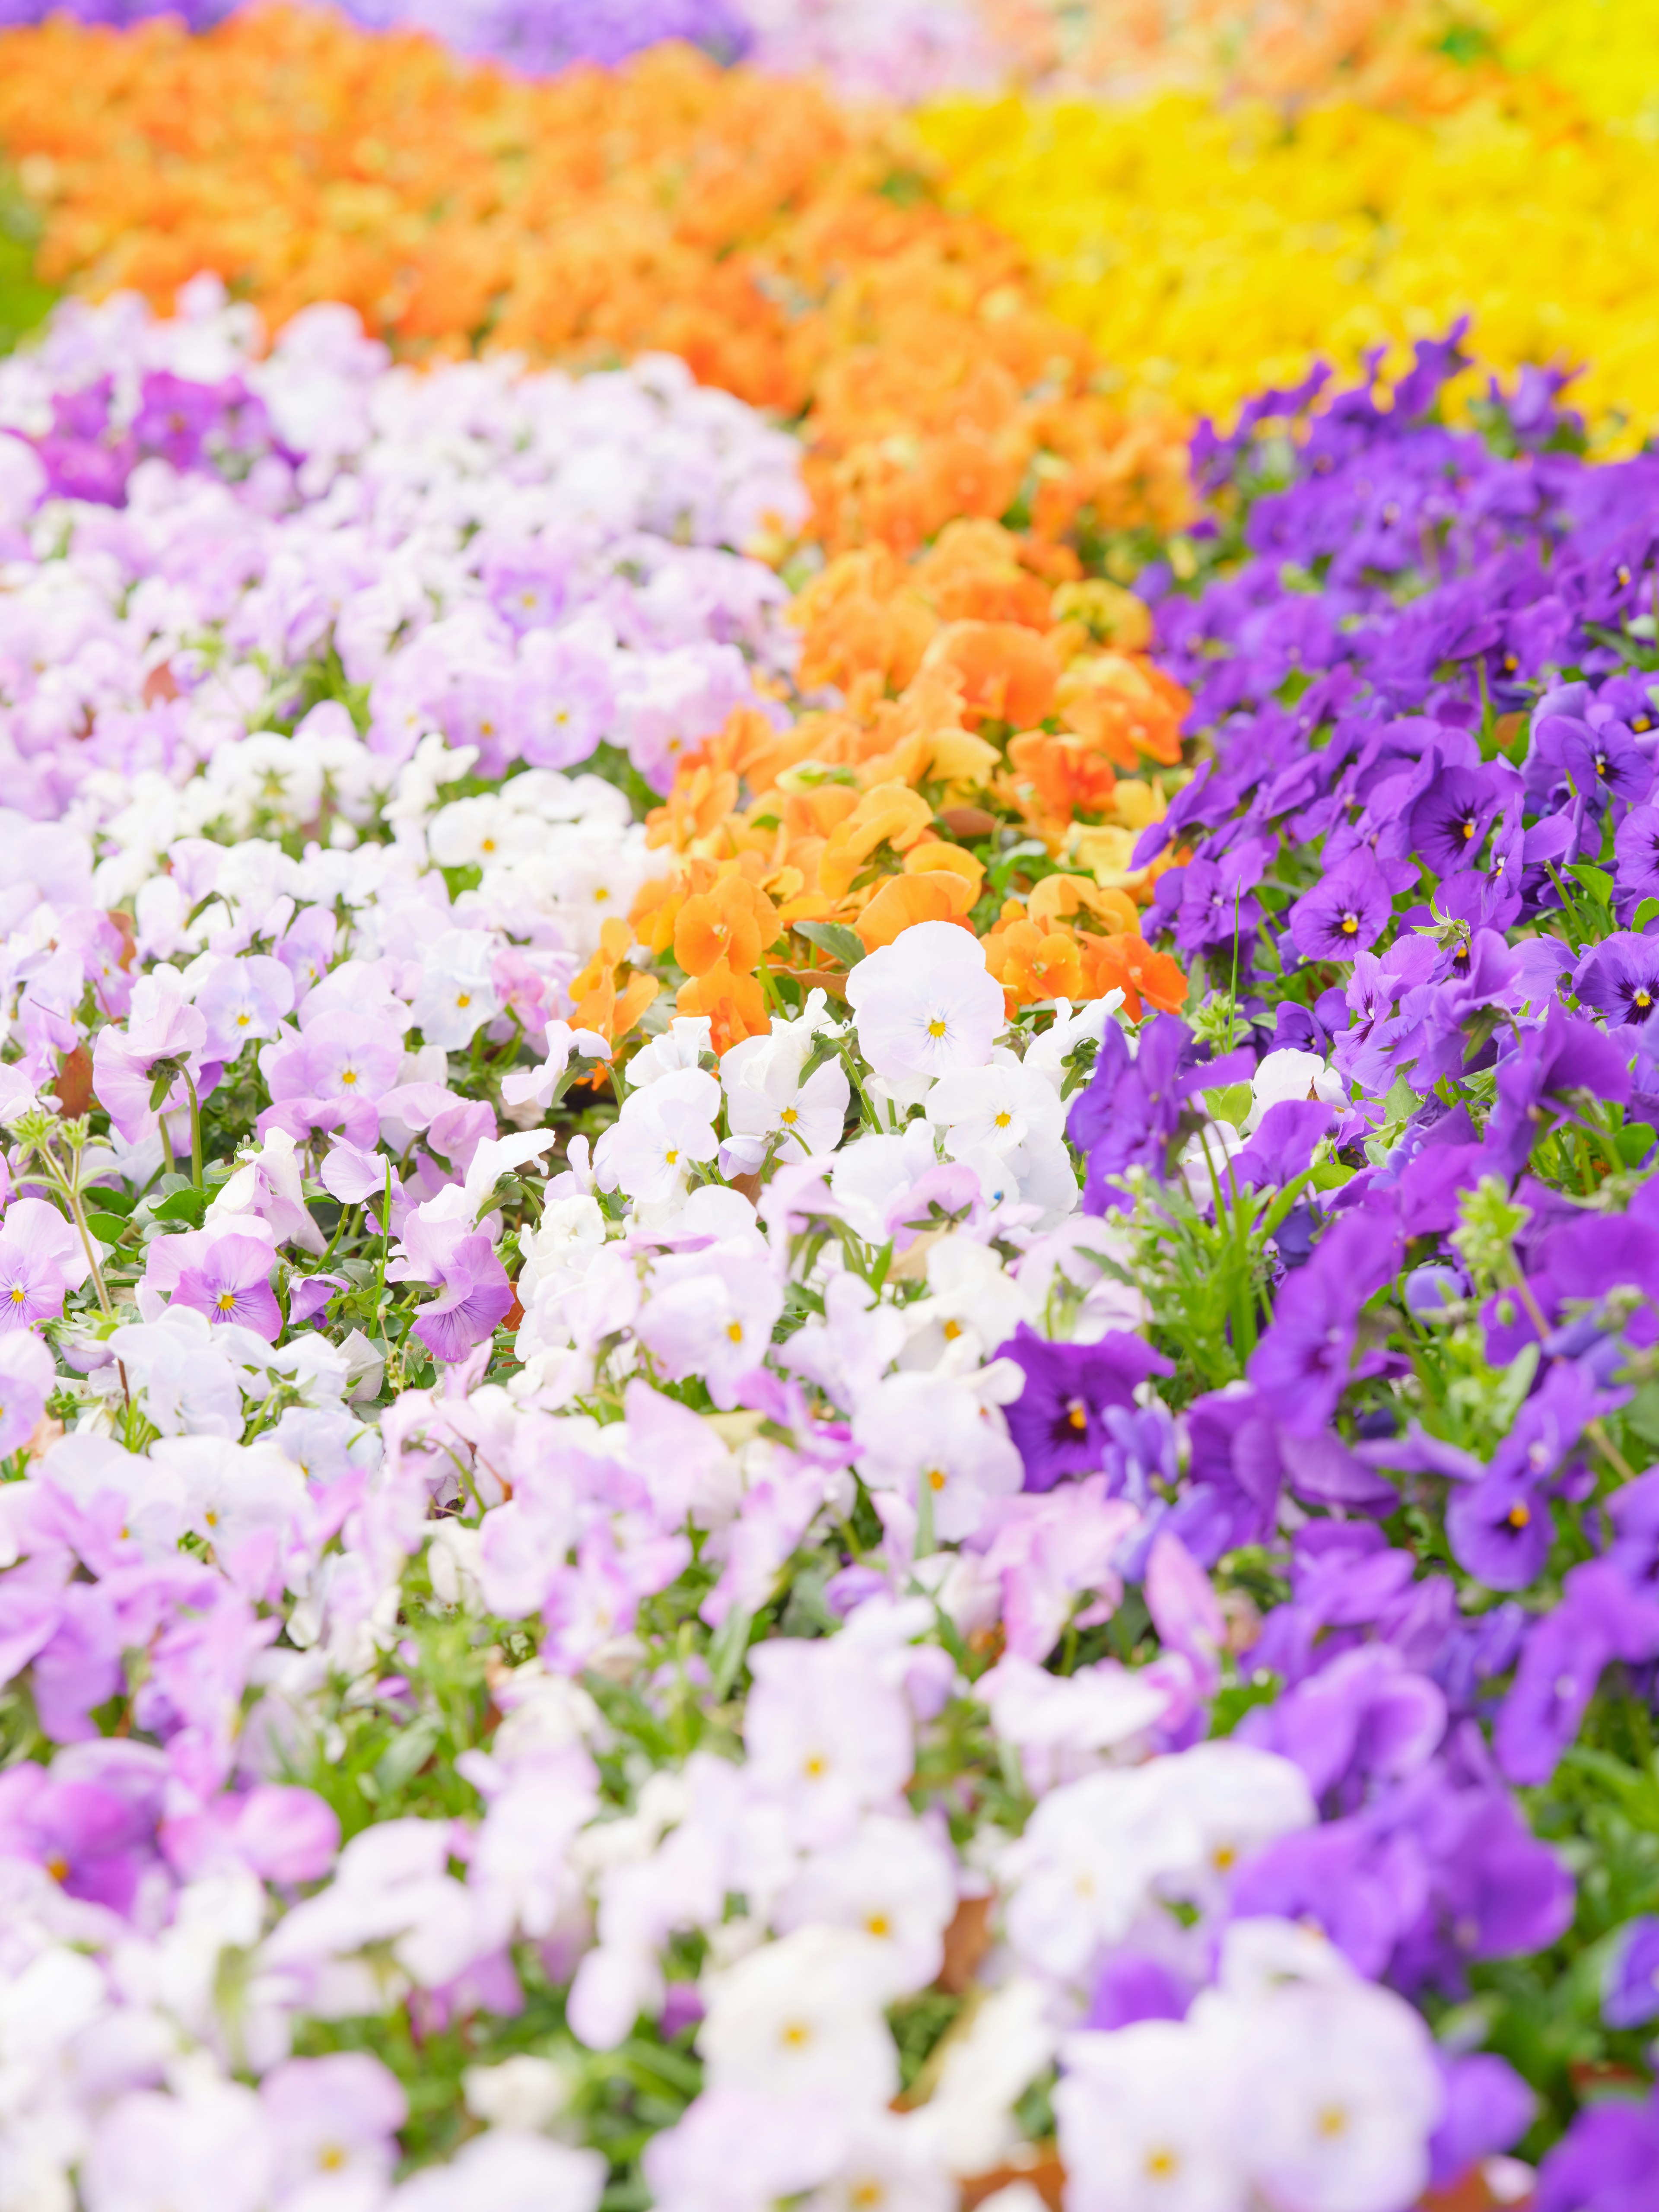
<point x="978" y="696"/>
<point x="781" y="244"/>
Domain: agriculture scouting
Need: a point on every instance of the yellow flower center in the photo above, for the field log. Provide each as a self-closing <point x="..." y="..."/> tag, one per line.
<point x="1518" y="1516"/>
<point x="936" y="1028"/>
<point x="1350" y="925"/>
<point x="226" y="1301"/>
<point x="789" y="1116"/>
<point x="734" y="1330"/>
<point x="1077" y="1415"/>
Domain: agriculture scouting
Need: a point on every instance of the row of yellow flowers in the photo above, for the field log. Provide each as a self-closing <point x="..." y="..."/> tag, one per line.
<point x="1209" y="249"/>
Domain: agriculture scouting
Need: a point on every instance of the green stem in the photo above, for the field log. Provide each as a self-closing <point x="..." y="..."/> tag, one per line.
<point x="195" y="1133"/>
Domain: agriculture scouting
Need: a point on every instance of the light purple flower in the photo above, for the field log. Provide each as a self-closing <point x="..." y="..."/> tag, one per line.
<point x="26" y="1373"/>
<point x="231" y="1282"/>
<point x="475" y="1295"/>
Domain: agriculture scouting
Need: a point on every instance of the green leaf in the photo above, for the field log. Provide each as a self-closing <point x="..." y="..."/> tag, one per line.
<point x="731" y="1641"/>
<point x="836" y="938"/>
<point x="184" y="1206"/>
<point x="1231" y="1102"/>
<point x="1635" y="1142"/>
<point x="407" y="1752"/>
<point x="1597" y="881"/>
<point x="107" y="1228"/>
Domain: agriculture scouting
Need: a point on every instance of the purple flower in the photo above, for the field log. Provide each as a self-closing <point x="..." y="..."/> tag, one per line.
<point x="1636" y="854"/>
<point x="1606" y="2162"/>
<point x="1600" y="1618"/>
<point x="1301" y="1365"/>
<point x="1447" y="825"/>
<point x="1364" y="1718"/>
<point x="1488" y="2106"/>
<point x="1346" y="913"/>
<point x="1058" y="1421"/>
<point x="475" y="1295"/>
<point x="1130" y="1986"/>
<point x="1283" y="1145"/>
<point x="1630" y="1995"/>
<point x="1132" y="1110"/>
<point x="1564" y="1054"/>
<point x="28" y="1373"/>
<point x="1500" y="1529"/>
<point x="31" y="1284"/>
<point x="309" y="1294"/>
<point x="231" y="1282"/>
<point x="1620" y="978"/>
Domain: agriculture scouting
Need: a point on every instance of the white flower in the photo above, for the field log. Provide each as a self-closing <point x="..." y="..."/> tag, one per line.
<point x="889" y="1881"/>
<point x="926" y="1437"/>
<point x="523" y="2092"/>
<point x="1291" y="1073"/>
<point x="925" y="1005"/>
<point x="801" y="2018"/>
<point x="539" y="1087"/>
<point x="765" y="1096"/>
<point x="1061" y="1724"/>
<point x="890" y="2165"/>
<point x="969" y="2120"/>
<point x="1338" y="2094"/>
<point x="649" y="1150"/>
<point x="1145" y="2120"/>
<point x="1000" y="1108"/>
<point x="457" y="994"/>
<point x="509" y="2171"/>
<point x="1088" y="1861"/>
<point x="682" y="1045"/>
<point x="1047" y="1054"/>
<point x="827" y="1737"/>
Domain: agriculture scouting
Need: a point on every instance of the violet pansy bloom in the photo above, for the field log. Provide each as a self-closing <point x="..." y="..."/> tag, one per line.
<point x="475" y="1295"/>
<point x="231" y="1282"/>
<point x="1058" y="1420"/>
<point x="1630" y="1994"/>
<point x="1344" y="914"/>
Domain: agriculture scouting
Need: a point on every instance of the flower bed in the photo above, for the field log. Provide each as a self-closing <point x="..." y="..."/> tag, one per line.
<point x="787" y="249"/>
<point x="825" y="1355"/>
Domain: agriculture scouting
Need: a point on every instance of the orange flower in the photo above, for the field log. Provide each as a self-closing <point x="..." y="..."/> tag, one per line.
<point x="1128" y="964"/>
<point x="1034" y="963"/>
<point x="1006" y="671"/>
<point x="939" y="895"/>
<point x="1060" y="897"/>
<point x="736" y="1005"/>
<point x="1057" y="777"/>
<point x="1125" y="706"/>
<point x="892" y="814"/>
<point x="598" y="1004"/>
<point x="733" y="923"/>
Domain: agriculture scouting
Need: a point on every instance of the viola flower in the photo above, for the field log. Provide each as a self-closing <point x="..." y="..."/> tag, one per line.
<point x="925" y="1004"/>
<point x="32" y="1280"/>
<point x="1620" y="978"/>
<point x="231" y="1282"/>
<point x="27" y="1373"/>
<point x="475" y="1295"/>
<point x="1345" y="914"/>
<point x="1058" y="1421"/>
